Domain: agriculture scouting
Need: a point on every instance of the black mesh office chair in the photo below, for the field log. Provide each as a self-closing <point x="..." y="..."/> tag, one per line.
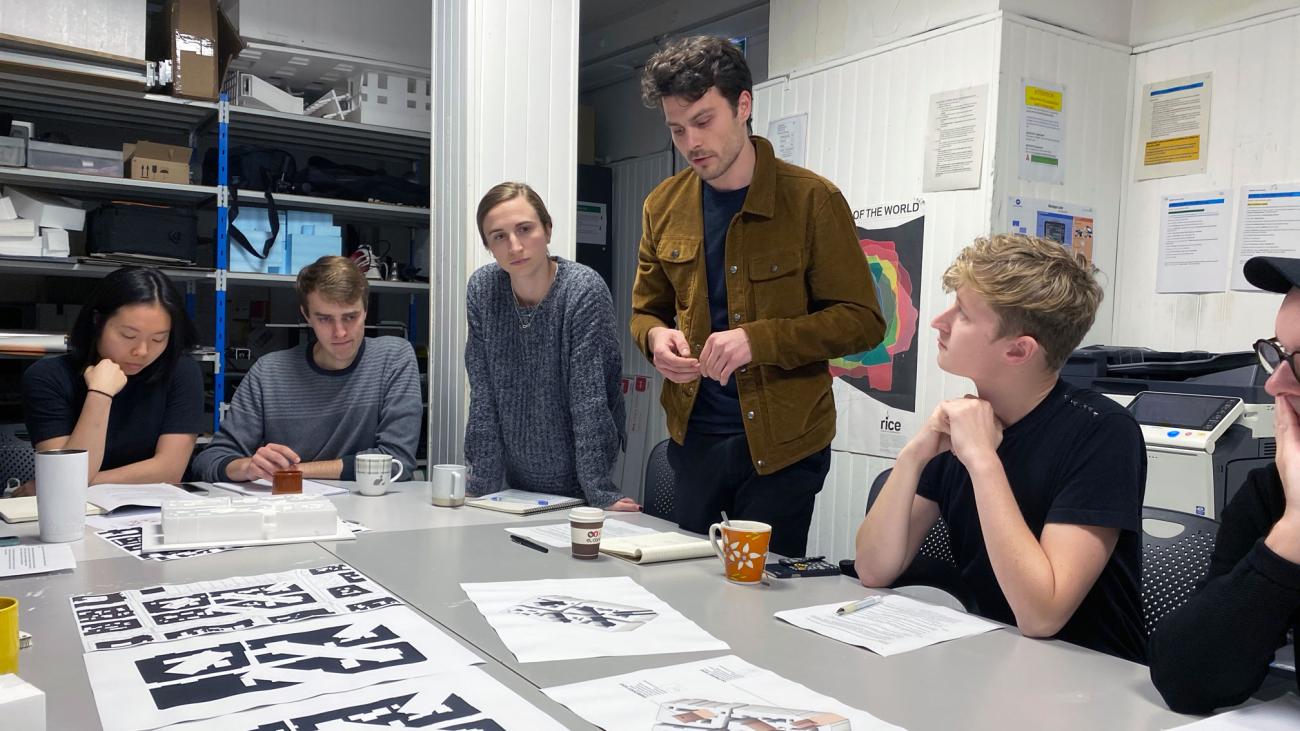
<point x="660" y="484"/>
<point x="1173" y="566"/>
<point x="934" y="564"/>
<point x="17" y="458"/>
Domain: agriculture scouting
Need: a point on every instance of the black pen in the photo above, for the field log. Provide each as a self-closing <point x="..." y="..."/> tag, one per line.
<point x="525" y="542"/>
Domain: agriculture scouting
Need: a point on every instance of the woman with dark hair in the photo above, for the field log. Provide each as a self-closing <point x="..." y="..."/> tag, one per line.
<point x="125" y="392"/>
<point x="545" y="372"/>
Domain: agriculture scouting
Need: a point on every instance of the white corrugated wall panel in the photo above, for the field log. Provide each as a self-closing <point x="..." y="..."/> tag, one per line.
<point x="633" y="181"/>
<point x="866" y="133"/>
<point x="1254" y="106"/>
<point x="505" y="108"/>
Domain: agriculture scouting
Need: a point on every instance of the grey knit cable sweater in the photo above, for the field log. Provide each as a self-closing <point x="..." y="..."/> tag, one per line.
<point x="373" y="405"/>
<point x="546" y="402"/>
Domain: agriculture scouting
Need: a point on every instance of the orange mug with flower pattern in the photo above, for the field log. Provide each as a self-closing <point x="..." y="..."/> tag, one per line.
<point x="742" y="546"/>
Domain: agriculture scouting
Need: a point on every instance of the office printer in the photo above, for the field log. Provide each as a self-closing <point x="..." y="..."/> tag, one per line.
<point x="1205" y="417"/>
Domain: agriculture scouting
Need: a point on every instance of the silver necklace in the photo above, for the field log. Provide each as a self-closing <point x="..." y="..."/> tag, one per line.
<point x="525" y="314"/>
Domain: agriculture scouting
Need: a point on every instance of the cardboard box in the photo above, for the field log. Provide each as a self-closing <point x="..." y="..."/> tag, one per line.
<point x="48" y="211"/>
<point x="113" y="29"/>
<point x="199" y="41"/>
<point x="155" y="161"/>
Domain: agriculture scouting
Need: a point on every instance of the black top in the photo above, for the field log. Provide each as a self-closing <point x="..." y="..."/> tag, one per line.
<point x="1214" y="650"/>
<point x="54" y="391"/>
<point x="717" y="407"/>
<point x="1076" y="458"/>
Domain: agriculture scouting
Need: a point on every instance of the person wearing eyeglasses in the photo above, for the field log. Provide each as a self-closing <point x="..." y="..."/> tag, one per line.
<point x="1215" y="650"/>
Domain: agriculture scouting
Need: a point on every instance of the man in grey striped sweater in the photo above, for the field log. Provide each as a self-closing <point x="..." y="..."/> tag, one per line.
<point x="317" y="406"/>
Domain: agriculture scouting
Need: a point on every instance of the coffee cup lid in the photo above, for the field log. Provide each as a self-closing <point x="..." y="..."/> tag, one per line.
<point x="586" y="514"/>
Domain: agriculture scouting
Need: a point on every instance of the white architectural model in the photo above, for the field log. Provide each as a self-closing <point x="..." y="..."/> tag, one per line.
<point x="205" y="520"/>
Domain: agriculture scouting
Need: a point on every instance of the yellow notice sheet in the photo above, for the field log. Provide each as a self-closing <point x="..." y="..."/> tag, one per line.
<point x="1174" y="136"/>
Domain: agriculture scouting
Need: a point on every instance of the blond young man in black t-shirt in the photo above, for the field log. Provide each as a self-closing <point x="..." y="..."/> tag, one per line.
<point x="1040" y="483"/>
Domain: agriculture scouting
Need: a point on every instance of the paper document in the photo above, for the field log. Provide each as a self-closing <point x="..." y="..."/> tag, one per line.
<point x="211" y="676"/>
<point x="36" y="559"/>
<point x="954" y="139"/>
<point x="1279" y="714"/>
<point x="569" y="619"/>
<point x="1042" y="132"/>
<point x="556" y="535"/>
<point x="170" y="612"/>
<point x="718" y="693"/>
<point x="111" y="497"/>
<point x="1174" y="131"/>
<point x="1195" y="235"/>
<point x="1267" y="225"/>
<point x="23" y="509"/>
<point x="261" y="488"/>
<point x="466" y="698"/>
<point x="658" y="547"/>
<point x="897" y="624"/>
<point x="124" y="518"/>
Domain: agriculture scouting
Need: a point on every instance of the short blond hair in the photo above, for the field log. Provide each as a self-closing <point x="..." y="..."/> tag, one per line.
<point x="1036" y="287"/>
<point x="335" y="278"/>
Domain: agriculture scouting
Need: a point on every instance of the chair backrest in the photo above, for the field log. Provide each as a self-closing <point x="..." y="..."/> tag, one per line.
<point x="937" y="543"/>
<point x="660" y="484"/>
<point x="17" y="458"/>
<point x="1172" y="566"/>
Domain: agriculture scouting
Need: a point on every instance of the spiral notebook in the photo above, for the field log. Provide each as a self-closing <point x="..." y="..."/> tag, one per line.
<point x="522" y="502"/>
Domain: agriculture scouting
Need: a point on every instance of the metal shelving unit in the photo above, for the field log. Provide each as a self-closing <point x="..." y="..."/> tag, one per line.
<point x="39" y="96"/>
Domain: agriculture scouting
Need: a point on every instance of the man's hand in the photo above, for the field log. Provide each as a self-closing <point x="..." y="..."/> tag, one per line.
<point x="672" y="355"/>
<point x="973" y="428"/>
<point x="931" y="440"/>
<point x="723" y="353"/>
<point x="625" y="505"/>
<point x="263" y="464"/>
<point x="105" y="376"/>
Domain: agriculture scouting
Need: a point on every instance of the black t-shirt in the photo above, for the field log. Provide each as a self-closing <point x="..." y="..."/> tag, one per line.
<point x="1077" y="458"/>
<point x="717" y="407"/>
<point x="54" y="391"/>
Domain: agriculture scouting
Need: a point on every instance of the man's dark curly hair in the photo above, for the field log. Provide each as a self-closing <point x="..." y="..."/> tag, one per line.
<point x="689" y="67"/>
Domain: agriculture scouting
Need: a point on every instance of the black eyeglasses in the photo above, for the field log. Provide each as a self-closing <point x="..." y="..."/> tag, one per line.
<point x="1271" y="355"/>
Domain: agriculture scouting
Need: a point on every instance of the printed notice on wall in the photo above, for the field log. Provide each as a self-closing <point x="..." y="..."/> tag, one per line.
<point x="1268" y="225"/>
<point x="789" y="137"/>
<point x="1175" y="133"/>
<point x="593" y="222"/>
<point x="1042" y="133"/>
<point x="1195" y="231"/>
<point x="954" y="143"/>
<point x="1067" y="224"/>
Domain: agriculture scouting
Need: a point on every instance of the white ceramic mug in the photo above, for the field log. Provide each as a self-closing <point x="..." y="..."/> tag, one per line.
<point x="375" y="473"/>
<point x="61" y="479"/>
<point x="448" y="485"/>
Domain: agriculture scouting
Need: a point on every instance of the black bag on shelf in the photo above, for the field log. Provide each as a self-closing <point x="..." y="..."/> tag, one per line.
<point x="256" y="168"/>
<point x="138" y="228"/>
<point x="327" y="179"/>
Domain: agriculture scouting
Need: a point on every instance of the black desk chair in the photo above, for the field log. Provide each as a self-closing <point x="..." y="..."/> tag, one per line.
<point x="1173" y="566"/>
<point x="934" y="564"/>
<point x="17" y="458"/>
<point x="660" y="484"/>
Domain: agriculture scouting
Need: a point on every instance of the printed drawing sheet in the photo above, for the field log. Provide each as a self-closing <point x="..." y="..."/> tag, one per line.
<point x="212" y="676"/>
<point x="465" y="699"/>
<point x="127" y="534"/>
<point x="162" y="613"/>
<point x="718" y="693"/>
<point x="569" y="619"/>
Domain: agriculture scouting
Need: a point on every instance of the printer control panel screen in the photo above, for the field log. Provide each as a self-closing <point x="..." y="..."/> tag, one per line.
<point x="1183" y="411"/>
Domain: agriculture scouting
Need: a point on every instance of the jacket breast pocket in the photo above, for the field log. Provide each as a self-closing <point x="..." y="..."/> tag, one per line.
<point x="679" y="258"/>
<point x="778" y="286"/>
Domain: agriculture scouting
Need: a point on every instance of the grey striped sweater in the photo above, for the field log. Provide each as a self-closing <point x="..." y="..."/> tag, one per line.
<point x="374" y="405"/>
<point x="546" y="403"/>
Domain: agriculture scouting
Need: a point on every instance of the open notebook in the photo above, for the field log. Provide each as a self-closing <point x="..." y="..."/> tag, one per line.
<point x="522" y="502"/>
<point x="23" y="509"/>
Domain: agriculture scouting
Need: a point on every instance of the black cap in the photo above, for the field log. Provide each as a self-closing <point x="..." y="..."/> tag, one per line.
<point x="1273" y="273"/>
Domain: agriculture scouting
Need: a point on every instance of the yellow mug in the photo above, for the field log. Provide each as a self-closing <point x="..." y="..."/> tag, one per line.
<point x="742" y="546"/>
<point x="8" y="635"/>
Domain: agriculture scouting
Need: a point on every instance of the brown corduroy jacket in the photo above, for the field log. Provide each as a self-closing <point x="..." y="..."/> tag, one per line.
<point x="797" y="283"/>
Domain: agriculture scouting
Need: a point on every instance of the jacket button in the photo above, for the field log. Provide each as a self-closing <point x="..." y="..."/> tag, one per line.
<point x="696" y="346"/>
<point x="761" y="463"/>
<point x="735" y="317"/>
<point x="690" y="391"/>
<point x="750" y="416"/>
<point x="774" y="268"/>
<point x="674" y="254"/>
<point x="744" y="369"/>
<point x="733" y="269"/>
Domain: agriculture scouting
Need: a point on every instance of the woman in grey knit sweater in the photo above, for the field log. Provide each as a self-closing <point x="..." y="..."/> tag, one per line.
<point x="546" y="403"/>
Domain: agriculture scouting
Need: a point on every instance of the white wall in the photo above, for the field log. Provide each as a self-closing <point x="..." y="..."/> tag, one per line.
<point x="1256" y="98"/>
<point x="1157" y="20"/>
<point x="505" y="108"/>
